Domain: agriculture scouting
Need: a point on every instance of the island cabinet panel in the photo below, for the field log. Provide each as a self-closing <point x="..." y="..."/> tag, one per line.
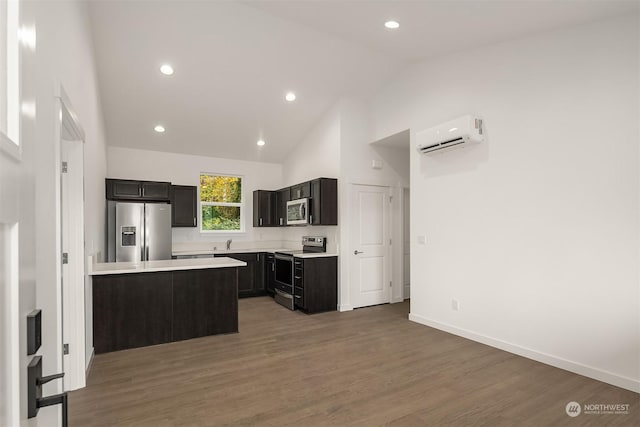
<point x="131" y="310"/>
<point x="204" y="303"/>
<point x="142" y="309"/>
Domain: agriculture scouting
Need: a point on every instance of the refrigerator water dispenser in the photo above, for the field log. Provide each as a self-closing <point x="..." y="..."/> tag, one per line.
<point x="128" y="236"/>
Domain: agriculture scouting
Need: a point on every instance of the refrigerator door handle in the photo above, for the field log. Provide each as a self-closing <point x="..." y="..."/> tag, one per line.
<point x="144" y="243"/>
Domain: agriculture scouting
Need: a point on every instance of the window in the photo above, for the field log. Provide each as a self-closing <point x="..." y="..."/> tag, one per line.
<point x="221" y="203"/>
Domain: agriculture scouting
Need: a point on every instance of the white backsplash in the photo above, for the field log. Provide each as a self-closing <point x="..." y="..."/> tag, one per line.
<point x="293" y="236"/>
<point x="269" y="238"/>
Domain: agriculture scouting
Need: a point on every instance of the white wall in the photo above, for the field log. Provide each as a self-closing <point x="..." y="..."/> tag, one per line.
<point x="356" y="156"/>
<point x="182" y="169"/>
<point x="339" y="147"/>
<point x="536" y="231"/>
<point x="316" y="155"/>
<point x="63" y="55"/>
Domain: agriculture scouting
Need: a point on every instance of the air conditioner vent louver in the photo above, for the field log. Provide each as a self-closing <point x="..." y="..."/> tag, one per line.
<point x="458" y="132"/>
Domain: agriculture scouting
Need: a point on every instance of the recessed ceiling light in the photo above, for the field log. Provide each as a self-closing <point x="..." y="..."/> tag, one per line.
<point x="392" y="25"/>
<point x="166" y="69"/>
<point x="159" y="128"/>
<point x="260" y="143"/>
<point x="290" y="96"/>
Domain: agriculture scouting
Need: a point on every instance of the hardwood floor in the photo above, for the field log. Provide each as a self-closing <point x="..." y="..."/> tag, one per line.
<point x="366" y="367"/>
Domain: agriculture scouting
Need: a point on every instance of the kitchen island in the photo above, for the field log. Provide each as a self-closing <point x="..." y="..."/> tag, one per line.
<point x="155" y="302"/>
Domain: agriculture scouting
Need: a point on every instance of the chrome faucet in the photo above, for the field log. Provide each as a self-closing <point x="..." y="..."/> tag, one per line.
<point x="229" y="244"/>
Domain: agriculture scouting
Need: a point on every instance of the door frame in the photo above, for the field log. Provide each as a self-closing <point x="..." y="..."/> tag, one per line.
<point x="71" y="304"/>
<point x="346" y="288"/>
<point x="406" y="240"/>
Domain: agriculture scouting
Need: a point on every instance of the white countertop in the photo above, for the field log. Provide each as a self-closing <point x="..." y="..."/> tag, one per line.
<point x="316" y="255"/>
<point x="224" y="251"/>
<point x="243" y="251"/>
<point x="104" y="268"/>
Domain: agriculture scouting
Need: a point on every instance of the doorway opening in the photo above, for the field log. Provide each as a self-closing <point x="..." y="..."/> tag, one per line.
<point x="393" y="185"/>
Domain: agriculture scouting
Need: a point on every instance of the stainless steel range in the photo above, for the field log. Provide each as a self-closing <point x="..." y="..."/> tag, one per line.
<point x="288" y="269"/>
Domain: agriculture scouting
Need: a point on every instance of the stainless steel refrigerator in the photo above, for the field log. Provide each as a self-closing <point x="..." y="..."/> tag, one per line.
<point x="138" y="231"/>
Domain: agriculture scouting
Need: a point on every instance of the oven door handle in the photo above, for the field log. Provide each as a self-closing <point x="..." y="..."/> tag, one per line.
<point x="283" y="295"/>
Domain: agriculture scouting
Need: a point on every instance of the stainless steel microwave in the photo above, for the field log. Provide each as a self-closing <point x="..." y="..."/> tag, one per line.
<point x="297" y="212"/>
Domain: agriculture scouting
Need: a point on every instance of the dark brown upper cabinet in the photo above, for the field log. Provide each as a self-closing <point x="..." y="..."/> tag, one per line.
<point x="270" y="207"/>
<point x="282" y="197"/>
<point x="184" y="206"/>
<point x="301" y="191"/>
<point x="143" y="191"/>
<point x="264" y="208"/>
<point x="324" y="202"/>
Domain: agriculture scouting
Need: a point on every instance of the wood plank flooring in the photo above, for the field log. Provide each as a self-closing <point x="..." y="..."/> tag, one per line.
<point x="367" y="367"/>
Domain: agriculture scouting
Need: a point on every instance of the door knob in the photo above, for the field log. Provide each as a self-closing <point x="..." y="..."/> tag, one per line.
<point x="357" y="252"/>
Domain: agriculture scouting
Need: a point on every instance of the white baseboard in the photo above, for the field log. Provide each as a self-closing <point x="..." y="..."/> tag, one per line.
<point x="345" y="307"/>
<point x="558" y="362"/>
<point x="89" y="363"/>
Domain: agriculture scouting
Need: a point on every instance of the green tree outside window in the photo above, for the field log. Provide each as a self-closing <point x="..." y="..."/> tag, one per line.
<point x="221" y="202"/>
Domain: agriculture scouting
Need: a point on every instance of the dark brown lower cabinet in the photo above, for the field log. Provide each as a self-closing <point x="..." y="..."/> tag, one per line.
<point x="316" y="284"/>
<point x="142" y="309"/>
<point x="251" y="278"/>
<point x="131" y="310"/>
<point x="205" y="302"/>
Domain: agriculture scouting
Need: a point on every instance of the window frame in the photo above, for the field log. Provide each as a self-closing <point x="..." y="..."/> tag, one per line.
<point x="241" y="205"/>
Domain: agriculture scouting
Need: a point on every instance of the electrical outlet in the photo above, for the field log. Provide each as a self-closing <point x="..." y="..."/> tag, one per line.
<point x="421" y="240"/>
<point x="455" y="305"/>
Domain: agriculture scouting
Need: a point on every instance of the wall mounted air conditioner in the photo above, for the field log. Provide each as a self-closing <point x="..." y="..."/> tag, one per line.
<point x="455" y="133"/>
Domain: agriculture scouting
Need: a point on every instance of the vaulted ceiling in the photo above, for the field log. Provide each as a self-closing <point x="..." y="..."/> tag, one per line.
<point x="235" y="61"/>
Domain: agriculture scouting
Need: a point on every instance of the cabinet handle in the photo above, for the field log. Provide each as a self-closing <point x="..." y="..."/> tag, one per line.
<point x="260" y="221"/>
<point x="310" y="219"/>
<point x="281" y="221"/>
<point x="194" y="221"/>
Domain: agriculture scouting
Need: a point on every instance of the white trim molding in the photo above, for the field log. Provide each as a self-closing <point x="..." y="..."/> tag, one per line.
<point x="548" y="359"/>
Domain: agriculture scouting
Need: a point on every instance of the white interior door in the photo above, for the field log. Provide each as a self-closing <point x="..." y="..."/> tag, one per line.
<point x="72" y="272"/>
<point x="369" y="253"/>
